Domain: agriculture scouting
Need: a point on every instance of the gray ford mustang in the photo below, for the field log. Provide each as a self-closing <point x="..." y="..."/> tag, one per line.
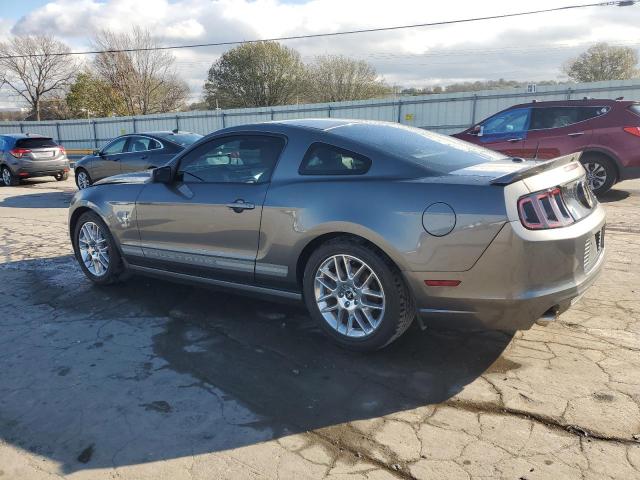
<point x="369" y="223"/>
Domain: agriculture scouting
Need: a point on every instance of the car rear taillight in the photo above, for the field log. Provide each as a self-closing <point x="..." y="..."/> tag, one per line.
<point x="633" y="130"/>
<point x="19" y="152"/>
<point x="62" y="150"/>
<point x="542" y="210"/>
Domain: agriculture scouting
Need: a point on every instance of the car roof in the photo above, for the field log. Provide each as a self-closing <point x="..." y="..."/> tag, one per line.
<point x="317" y="124"/>
<point x="585" y="102"/>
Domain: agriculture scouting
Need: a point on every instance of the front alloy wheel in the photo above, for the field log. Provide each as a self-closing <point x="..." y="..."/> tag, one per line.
<point x="94" y="249"/>
<point x="349" y="295"/>
<point x="82" y="180"/>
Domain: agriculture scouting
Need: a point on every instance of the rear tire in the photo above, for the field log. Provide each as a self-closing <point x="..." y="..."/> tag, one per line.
<point x="60" y="177"/>
<point x="601" y="172"/>
<point x="398" y="310"/>
<point x="8" y="178"/>
<point x="96" y="250"/>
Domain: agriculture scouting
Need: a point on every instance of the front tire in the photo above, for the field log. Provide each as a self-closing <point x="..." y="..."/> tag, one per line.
<point x="8" y="178"/>
<point x="83" y="179"/>
<point x="96" y="250"/>
<point x="601" y="172"/>
<point x="357" y="295"/>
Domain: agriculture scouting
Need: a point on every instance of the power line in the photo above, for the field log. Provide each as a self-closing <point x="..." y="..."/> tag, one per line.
<point x="618" y="3"/>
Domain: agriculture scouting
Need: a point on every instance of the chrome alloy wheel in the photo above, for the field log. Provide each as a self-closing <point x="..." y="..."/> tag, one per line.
<point x="596" y="175"/>
<point x="94" y="249"/>
<point x="6" y="177"/>
<point x="349" y="295"/>
<point x="83" y="180"/>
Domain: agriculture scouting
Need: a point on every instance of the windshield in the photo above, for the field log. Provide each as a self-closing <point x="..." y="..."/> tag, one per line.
<point x="437" y="153"/>
<point x="182" y="139"/>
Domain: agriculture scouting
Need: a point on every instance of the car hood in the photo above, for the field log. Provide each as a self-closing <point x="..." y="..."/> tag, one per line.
<point x="135" y="178"/>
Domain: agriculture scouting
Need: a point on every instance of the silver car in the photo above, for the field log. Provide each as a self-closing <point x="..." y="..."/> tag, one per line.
<point x="370" y="224"/>
<point x="28" y="155"/>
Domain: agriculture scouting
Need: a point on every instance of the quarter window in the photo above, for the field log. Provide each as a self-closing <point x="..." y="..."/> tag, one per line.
<point x="117" y="146"/>
<point x="234" y="159"/>
<point x="558" y="117"/>
<point x="323" y="159"/>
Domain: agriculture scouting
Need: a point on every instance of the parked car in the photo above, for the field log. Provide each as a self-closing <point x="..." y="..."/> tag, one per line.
<point x="607" y="131"/>
<point x="369" y="223"/>
<point x="25" y="155"/>
<point x="131" y="153"/>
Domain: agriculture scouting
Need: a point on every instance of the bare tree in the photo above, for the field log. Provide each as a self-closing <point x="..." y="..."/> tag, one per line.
<point x="335" y="78"/>
<point x="603" y="62"/>
<point x="31" y="69"/>
<point x="144" y="76"/>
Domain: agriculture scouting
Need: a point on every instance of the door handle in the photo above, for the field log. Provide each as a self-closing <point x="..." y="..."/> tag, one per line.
<point x="144" y="157"/>
<point x="240" y="205"/>
<point x="514" y="140"/>
<point x="575" y="134"/>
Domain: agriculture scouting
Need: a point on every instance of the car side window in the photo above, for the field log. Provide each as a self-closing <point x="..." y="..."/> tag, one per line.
<point x="117" y="146"/>
<point x="233" y="159"/>
<point x="323" y="159"/>
<point x="515" y="120"/>
<point x="558" y="117"/>
<point x="142" y="144"/>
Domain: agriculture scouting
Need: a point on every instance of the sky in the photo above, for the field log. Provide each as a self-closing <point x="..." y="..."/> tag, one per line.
<point x="529" y="48"/>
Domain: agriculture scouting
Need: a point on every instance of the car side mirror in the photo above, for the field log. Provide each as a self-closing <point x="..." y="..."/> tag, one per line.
<point x="95" y="152"/>
<point x="478" y="131"/>
<point x="162" y="174"/>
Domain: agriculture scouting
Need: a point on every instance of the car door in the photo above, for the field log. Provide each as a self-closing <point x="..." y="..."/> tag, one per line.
<point x="559" y="130"/>
<point x="107" y="162"/>
<point x="505" y="132"/>
<point x="207" y="222"/>
<point x="140" y="154"/>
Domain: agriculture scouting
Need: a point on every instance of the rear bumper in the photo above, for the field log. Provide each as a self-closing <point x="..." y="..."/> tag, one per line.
<point x="520" y="276"/>
<point x="41" y="168"/>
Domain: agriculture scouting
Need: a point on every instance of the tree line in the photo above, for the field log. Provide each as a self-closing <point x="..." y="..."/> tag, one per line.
<point x="133" y="77"/>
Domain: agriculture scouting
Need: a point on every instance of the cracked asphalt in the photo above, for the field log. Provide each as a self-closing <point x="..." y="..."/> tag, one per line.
<point x="153" y="380"/>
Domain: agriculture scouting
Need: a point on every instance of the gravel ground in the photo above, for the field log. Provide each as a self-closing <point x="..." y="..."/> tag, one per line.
<point x="161" y="381"/>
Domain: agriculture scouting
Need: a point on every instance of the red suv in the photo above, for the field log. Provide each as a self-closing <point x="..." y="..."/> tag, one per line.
<point x="607" y="131"/>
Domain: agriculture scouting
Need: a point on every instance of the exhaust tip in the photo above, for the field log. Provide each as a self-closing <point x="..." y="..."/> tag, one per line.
<point x="549" y="316"/>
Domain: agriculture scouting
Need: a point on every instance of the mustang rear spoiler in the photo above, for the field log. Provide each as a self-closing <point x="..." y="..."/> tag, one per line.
<point x="536" y="169"/>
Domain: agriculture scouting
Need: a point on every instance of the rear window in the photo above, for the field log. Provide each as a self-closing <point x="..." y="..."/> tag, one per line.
<point x="182" y="139"/>
<point x="438" y="154"/>
<point x="32" y="143"/>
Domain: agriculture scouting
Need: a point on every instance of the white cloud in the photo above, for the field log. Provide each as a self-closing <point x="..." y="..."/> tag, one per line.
<point x="525" y="48"/>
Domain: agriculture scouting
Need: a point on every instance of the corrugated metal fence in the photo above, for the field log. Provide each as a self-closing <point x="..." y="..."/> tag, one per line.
<point x="445" y="113"/>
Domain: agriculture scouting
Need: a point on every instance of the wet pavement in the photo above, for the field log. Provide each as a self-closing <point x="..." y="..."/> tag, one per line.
<point x="150" y="379"/>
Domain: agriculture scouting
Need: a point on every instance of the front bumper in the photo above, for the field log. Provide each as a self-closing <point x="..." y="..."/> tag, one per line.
<point x="522" y="275"/>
